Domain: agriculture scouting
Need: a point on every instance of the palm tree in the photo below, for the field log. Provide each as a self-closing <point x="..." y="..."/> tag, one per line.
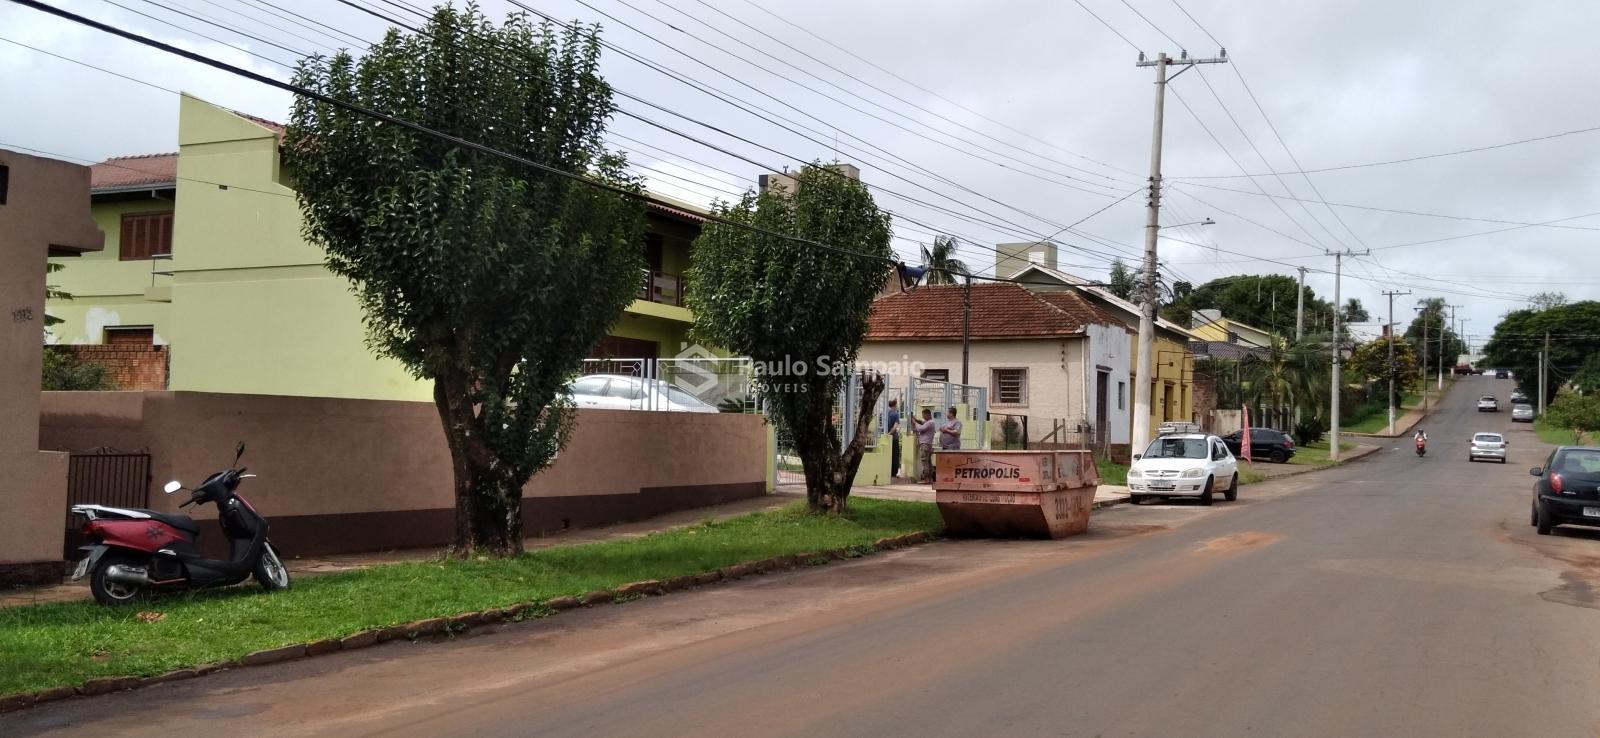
<point x="1294" y="374"/>
<point x="941" y="261"/>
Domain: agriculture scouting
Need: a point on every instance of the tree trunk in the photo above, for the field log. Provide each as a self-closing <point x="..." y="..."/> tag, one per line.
<point x="830" y="474"/>
<point x="487" y="494"/>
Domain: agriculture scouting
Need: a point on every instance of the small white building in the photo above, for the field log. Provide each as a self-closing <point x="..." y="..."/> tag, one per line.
<point x="1054" y="357"/>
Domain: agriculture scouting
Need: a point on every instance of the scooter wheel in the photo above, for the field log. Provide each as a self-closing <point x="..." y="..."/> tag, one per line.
<point x="270" y="572"/>
<point x="108" y="592"/>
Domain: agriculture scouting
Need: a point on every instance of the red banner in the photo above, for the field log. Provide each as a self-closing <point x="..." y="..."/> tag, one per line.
<point x="1244" y="441"/>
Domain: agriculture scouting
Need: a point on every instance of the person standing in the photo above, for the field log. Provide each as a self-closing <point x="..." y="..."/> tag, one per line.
<point x="950" y="434"/>
<point x="925" y="430"/>
<point x="892" y="420"/>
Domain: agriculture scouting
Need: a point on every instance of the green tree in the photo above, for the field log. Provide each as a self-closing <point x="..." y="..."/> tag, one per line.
<point x="797" y="309"/>
<point x="1443" y="343"/>
<point x="1123" y="280"/>
<point x="1371" y="360"/>
<point x="490" y="278"/>
<point x="64" y="372"/>
<point x="1293" y="374"/>
<point x="941" y="262"/>
<point x="53" y="292"/>
<point x="1574" y="330"/>
<point x="1264" y="301"/>
<point x="1547" y="300"/>
<point x="1581" y="413"/>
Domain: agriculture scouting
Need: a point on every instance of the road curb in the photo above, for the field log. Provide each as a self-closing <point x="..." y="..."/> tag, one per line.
<point x="452" y="625"/>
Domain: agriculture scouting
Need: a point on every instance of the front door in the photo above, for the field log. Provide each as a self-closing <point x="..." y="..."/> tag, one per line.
<point x="1102" y="408"/>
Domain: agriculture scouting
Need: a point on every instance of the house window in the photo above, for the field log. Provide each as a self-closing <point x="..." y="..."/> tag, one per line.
<point x="145" y="235"/>
<point x="1009" y="386"/>
<point x="936" y="375"/>
<point x="1122" y="395"/>
<point x="135" y="335"/>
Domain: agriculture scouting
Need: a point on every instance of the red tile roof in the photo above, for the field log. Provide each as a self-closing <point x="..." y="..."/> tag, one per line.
<point x="146" y="170"/>
<point x="273" y="126"/>
<point x="999" y="310"/>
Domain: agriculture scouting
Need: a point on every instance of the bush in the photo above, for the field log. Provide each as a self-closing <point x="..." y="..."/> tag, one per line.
<point x="1576" y="412"/>
<point x="65" y="372"/>
<point x="1011" y="431"/>
<point x="1308" y="431"/>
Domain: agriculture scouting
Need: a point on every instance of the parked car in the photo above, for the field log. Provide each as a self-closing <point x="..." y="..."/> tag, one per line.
<point x="1522" y="413"/>
<point x="1501" y="374"/>
<point x="1518" y="398"/>
<point x="624" y="392"/>
<point x="1487" y="404"/>
<point x="1184" y="465"/>
<point x="1265" y="443"/>
<point x="1567" y="491"/>
<point x="1491" y="446"/>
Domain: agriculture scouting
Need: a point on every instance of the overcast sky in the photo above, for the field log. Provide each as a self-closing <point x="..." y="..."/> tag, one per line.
<point x="1024" y="116"/>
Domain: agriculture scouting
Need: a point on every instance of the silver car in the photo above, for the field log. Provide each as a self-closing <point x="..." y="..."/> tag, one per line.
<point x="624" y="392"/>
<point x="1491" y="446"/>
<point x="1487" y="403"/>
<point x="1522" y="413"/>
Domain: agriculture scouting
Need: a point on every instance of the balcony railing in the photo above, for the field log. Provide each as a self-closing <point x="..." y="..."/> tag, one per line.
<point x="661" y="287"/>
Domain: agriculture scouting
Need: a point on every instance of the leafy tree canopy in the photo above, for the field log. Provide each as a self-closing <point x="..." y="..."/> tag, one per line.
<point x="488" y="277"/>
<point x="795" y="306"/>
<point x="1574" y="330"/>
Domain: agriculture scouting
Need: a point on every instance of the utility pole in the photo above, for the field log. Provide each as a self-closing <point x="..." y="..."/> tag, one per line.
<point x="1144" y="384"/>
<point x="1338" y="273"/>
<point x="1299" y="329"/>
<point x="1422" y="375"/>
<point x="1453" y="331"/>
<point x="1544" y="364"/>
<point x="1388" y="331"/>
<point x="966" y="329"/>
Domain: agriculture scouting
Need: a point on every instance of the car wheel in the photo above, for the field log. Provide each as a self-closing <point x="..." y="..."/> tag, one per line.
<point x="1533" y="514"/>
<point x="1135" y="499"/>
<point x="1471" y="458"/>
<point x="1232" y="493"/>
<point x="1205" y="496"/>
<point x="1278" y="456"/>
<point x="1541" y="518"/>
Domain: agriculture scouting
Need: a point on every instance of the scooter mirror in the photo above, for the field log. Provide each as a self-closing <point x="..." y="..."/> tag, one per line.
<point x="173" y="486"/>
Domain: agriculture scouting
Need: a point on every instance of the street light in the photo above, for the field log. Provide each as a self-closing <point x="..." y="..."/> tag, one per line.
<point x="1205" y="222"/>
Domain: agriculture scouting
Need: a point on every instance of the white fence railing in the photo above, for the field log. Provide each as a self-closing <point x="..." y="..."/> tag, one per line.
<point x="700" y="384"/>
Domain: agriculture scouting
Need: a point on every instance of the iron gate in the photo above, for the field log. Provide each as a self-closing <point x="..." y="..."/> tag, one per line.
<point x="103" y="476"/>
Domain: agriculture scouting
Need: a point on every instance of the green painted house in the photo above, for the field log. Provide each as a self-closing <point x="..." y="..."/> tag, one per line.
<point x="204" y="254"/>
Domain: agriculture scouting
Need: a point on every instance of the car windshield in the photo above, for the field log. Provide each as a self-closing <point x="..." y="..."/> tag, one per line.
<point x="1487" y="438"/>
<point x="1487" y="397"/>
<point x="680" y="397"/>
<point x="1177" y="448"/>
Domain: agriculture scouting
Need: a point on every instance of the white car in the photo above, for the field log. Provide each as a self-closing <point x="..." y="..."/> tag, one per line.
<point x="624" y="392"/>
<point x="1490" y="446"/>
<point x="1184" y="465"/>
<point x="1488" y="404"/>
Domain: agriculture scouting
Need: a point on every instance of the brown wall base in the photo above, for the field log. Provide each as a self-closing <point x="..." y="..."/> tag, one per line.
<point x="321" y="535"/>
<point x="31" y="574"/>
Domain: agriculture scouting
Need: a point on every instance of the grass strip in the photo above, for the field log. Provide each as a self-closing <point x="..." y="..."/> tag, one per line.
<point x="59" y="644"/>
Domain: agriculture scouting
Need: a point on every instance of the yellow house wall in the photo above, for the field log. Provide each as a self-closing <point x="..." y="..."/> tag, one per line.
<point x="107" y="291"/>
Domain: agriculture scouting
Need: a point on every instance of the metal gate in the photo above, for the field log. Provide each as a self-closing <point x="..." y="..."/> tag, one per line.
<point x="104" y="476"/>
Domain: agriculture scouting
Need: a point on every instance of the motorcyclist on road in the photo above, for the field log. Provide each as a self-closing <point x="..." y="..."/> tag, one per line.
<point x="1421" y="439"/>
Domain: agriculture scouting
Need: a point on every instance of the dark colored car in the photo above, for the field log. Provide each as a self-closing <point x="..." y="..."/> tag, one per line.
<point x="1517" y="398"/>
<point x="1501" y="374"/>
<point x="1265" y="443"/>
<point x="1568" y="489"/>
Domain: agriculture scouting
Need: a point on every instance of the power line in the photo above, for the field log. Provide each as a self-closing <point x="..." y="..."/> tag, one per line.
<point x="1152" y="24"/>
<point x="1409" y="159"/>
<point x="1108" y="26"/>
<point x="1395" y="211"/>
<point x="954" y="103"/>
<point x="858" y="79"/>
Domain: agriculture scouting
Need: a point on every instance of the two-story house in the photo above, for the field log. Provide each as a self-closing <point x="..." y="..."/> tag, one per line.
<point x="204" y="253"/>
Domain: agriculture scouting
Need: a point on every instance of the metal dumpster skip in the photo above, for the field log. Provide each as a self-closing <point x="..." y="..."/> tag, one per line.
<point x="1033" y="494"/>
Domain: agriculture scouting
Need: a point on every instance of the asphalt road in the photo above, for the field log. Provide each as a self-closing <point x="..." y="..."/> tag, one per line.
<point x="1393" y="596"/>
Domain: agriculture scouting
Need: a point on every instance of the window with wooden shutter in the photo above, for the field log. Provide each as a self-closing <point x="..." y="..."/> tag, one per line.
<point x="1010" y="386"/>
<point x="146" y="235"/>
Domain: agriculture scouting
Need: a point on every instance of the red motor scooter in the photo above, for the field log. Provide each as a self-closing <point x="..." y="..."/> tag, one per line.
<point x="133" y="551"/>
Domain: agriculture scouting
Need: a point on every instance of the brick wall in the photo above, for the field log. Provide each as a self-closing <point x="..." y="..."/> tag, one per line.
<point x="131" y="366"/>
<point x="1205" y="401"/>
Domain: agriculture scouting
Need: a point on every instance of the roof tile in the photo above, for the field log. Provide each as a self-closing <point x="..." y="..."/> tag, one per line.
<point x="999" y="310"/>
<point x="154" y="170"/>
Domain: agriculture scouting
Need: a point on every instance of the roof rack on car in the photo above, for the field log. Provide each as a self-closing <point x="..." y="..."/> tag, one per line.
<point x="1177" y="429"/>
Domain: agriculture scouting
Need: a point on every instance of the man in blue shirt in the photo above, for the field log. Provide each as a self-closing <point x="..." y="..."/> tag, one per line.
<point x="950" y="434"/>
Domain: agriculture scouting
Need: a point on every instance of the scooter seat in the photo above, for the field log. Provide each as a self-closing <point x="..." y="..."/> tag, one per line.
<point x="176" y="520"/>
